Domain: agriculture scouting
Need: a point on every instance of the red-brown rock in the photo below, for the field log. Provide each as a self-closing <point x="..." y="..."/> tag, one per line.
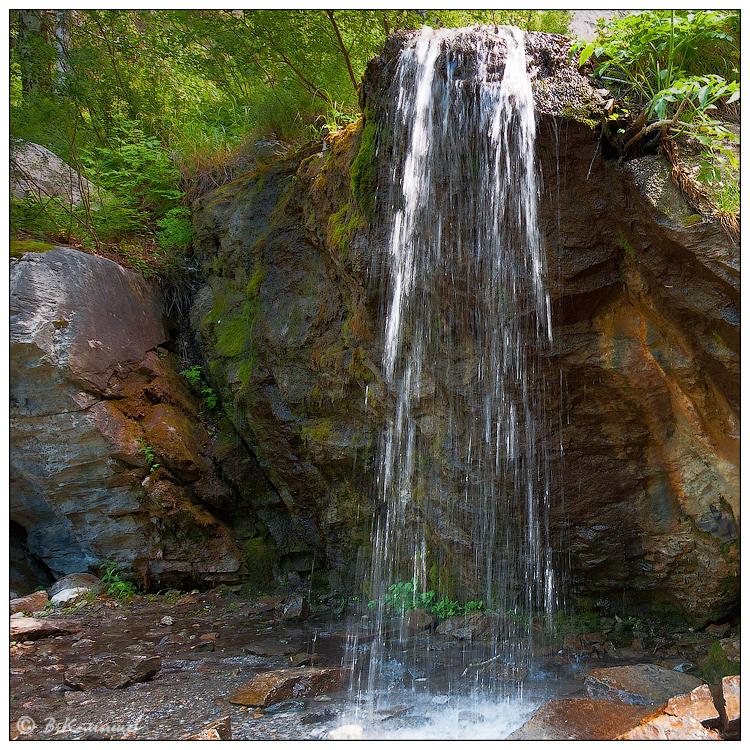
<point x="729" y="706"/>
<point x="284" y="684"/>
<point x="31" y="629"/>
<point x="638" y="684"/>
<point x="684" y="717"/>
<point x="580" y="719"/>
<point x="29" y="603"/>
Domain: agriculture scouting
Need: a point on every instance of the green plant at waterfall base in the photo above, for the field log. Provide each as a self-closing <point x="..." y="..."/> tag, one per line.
<point x="149" y="454"/>
<point x="404" y="596"/>
<point x="118" y="588"/>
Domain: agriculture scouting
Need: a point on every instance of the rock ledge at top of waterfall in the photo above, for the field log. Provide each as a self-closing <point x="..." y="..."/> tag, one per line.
<point x="560" y="90"/>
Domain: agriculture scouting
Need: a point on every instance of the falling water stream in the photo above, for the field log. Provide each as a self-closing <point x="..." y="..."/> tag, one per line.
<point x="463" y="481"/>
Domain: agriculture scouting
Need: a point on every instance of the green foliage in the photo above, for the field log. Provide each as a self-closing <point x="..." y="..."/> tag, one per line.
<point x="682" y="66"/>
<point x="176" y="230"/>
<point x="148" y="454"/>
<point x="118" y="588"/>
<point x="194" y="376"/>
<point x="404" y="596"/>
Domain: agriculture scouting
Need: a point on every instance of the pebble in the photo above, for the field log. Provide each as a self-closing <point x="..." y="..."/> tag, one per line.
<point x="166" y="621"/>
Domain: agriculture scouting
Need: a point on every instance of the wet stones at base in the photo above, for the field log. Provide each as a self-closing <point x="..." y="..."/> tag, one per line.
<point x="216" y="730"/>
<point x="32" y="629"/>
<point x="29" y="603"/>
<point x="728" y="701"/>
<point x="639" y="684"/>
<point x="284" y="684"/>
<point x="580" y="719"/>
<point x="112" y="672"/>
<point x="684" y="717"/>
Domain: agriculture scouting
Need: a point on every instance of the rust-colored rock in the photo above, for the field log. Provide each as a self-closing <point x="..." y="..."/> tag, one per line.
<point x="285" y="684"/>
<point x="32" y="629"/>
<point x="216" y="730"/>
<point x="639" y="684"/>
<point x="684" y="717"/>
<point x="580" y="719"/>
<point x="729" y="706"/>
<point x="29" y="603"/>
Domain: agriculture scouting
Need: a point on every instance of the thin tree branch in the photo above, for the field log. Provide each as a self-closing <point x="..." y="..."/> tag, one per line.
<point x="342" y="47"/>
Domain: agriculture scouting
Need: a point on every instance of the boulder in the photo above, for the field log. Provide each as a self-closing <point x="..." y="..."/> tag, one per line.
<point x="31" y="629"/>
<point x="296" y="608"/>
<point x="580" y="719"/>
<point x="38" y="172"/>
<point x="284" y="684"/>
<point x="638" y="684"/>
<point x="29" y="603"/>
<point x="112" y="672"/>
<point x="68" y="596"/>
<point x="684" y="717"/>
<point x="729" y="706"/>
<point x="78" y="581"/>
<point x="87" y="374"/>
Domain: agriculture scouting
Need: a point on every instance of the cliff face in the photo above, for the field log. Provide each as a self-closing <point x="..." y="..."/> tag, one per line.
<point x="644" y="373"/>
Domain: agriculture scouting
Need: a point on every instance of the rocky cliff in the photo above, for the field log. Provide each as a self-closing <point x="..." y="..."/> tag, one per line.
<point x="644" y="375"/>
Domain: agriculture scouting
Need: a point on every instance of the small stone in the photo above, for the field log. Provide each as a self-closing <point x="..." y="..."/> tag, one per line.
<point x="112" y="672"/>
<point x="472" y="717"/>
<point x="305" y="660"/>
<point x="418" y="619"/>
<point x="216" y="730"/>
<point x="717" y="630"/>
<point x="16" y="615"/>
<point x="84" y="581"/>
<point x="30" y="603"/>
<point x="28" y="629"/>
<point x="166" y="621"/>
<point x="296" y="608"/>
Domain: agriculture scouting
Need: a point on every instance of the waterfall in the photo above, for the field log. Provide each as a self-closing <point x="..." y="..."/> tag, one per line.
<point x="463" y="479"/>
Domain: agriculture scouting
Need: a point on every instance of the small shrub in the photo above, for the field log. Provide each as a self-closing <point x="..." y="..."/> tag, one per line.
<point x="118" y="588"/>
<point x="149" y="455"/>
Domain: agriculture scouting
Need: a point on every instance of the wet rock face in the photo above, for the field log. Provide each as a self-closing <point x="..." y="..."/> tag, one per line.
<point x="643" y="380"/>
<point x="90" y="388"/>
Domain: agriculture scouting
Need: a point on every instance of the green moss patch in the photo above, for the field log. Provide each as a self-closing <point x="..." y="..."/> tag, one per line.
<point x="364" y="170"/>
<point x="19" y="247"/>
